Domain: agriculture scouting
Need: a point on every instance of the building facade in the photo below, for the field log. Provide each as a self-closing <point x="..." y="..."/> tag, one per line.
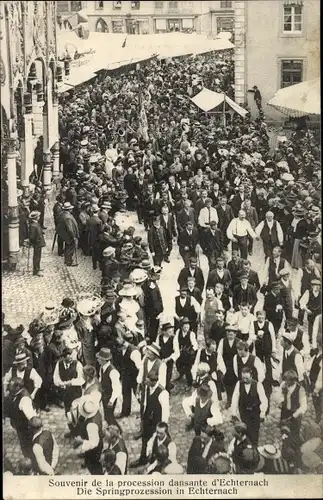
<point x="135" y="17"/>
<point x="29" y="75"/>
<point x="277" y="44"/>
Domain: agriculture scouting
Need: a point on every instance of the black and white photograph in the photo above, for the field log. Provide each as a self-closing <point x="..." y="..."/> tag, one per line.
<point x="161" y="239"/>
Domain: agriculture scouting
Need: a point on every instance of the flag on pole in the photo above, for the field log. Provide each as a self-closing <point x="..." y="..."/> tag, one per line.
<point x="124" y="43"/>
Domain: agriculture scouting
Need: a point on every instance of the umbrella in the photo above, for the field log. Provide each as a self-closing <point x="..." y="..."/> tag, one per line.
<point x="298" y="100"/>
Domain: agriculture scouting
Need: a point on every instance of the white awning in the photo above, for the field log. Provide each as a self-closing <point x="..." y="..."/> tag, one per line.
<point x="208" y="100"/>
<point x="298" y="100"/>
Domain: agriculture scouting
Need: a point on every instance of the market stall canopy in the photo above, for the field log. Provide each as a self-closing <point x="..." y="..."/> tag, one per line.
<point x="208" y="100"/>
<point x="298" y="100"/>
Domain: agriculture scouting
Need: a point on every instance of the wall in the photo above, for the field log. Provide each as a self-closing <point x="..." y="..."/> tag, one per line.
<point x="266" y="45"/>
<point x="5" y="71"/>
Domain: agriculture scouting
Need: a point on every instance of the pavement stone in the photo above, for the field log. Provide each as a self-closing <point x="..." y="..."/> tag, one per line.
<point x="25" y="295"/>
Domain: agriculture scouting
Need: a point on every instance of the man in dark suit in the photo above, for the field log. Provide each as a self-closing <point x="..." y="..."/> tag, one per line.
<point x="213" y="244"/>
<point x="209" y="443"/>
<point x="187" y="240"/>
<point x="36" y="240"/>
<point x="237" y="200"/>
<point x="234" y="266"/>
<point x="150" y="208"/>
<point x="253" y="278"/>
<point x="93" y="229"/>
<point x="192" y="270"/>
<point x="220" y="275"/>
<point x="225" y="216"/>
<point x="140" y="191"/>
<point x="244" y="292"/>
<point x="157" y="242"/>
<point x="57" y="210"/>
<point x="167" y="221"/>
<point x="185" y="215"/>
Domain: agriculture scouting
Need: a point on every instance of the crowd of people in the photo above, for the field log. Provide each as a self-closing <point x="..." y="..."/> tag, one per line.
<point x="207" y="189"/>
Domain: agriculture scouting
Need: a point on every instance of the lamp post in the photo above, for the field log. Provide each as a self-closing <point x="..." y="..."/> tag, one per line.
<point x="13" y="214"/>
<point x="47" y="170"/>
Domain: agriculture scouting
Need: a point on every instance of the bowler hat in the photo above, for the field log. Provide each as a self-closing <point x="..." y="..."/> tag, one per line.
<point x="167" y="326"/>
<point x="104" y="354"/>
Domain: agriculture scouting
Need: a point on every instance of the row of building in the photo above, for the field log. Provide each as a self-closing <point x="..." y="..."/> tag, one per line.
<point x="147" y="17"/>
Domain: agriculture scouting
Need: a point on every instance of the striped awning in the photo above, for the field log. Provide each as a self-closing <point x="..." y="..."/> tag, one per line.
<point x="293" y="2"/>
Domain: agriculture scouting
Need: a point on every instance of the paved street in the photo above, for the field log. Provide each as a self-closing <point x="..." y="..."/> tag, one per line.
<point x="25" y="295"/>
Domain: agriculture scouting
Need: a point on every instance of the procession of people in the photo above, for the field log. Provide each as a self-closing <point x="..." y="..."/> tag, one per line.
<point x="240" y="342"/>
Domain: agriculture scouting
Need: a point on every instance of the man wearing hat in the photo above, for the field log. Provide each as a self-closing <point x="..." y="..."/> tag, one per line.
<point x="93" y="230"/>
<point x="239" y="443"/>
<point x="203" y="448"/>
<point x="68" y="376"/>
<point x="109" y="265"/>
<point x="44" y="447"/>
<point x="273" y="461"/>
<point x="244" y="293"/>
<point x="20" y="369"/>
<point x="155" y="409"/>
<point x="167" y="221"/>
<point x="293" y="403"/>
<point x="187" y="240"/>
<point x="160" y="438"/>
<point x="311" y="303"/>
<point x="301" y="340"/>
<point x="291" y="357"/>
<point x="249" y="403"/>
<point x="128" y="361"/>
<point x="273" y="306"/>
<point x="36" y="240"/>
<point x="88" y="422"/>
<point x="110" y="383"/>
<point x="67" y="229"/>
<point x="153" y="304"/>
<point x="169" y="351"/>
<point x="157" y="242"/>
<point x="202" y="408"/>
<point x="212" y="243"/>
<point x="186" y="341"/>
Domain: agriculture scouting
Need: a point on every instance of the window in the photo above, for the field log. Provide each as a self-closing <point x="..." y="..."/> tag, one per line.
<point x="117" y="5"/>
<point x="76" y="6"/>
<point x="174" y="25"/>
<point x="293" y="18"/>
<point x="117" y="26"/>
<point x="291" y="72"/>
<point x="173" y="6"/>
<point x="101" y="26"/>
<point x="187" y="24"/>
<point x="62" y="6"/>
<point x="135" y="5"/>
<point x="159" y="5"/>
<point x="99" y="5"/>
<point x="161" y="25"/>
<point x="226" y="5"/>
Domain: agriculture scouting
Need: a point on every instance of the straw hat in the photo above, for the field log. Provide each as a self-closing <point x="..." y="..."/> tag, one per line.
<point x="154" y="348"/>
<point x="269" y="451"/>
<point x="108" y="252"/>
<point x="138" y="275"/>
<point x="68" y="206"/>
<point x="88" y="407"/>
<point x="20" y="358"/>
<point x="88" y="307"/>
<point x="104" y="354"/>
<point x="128" y="290"/>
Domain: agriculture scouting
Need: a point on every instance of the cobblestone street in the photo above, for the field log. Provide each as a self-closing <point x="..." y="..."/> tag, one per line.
<point x="24" y="296"/>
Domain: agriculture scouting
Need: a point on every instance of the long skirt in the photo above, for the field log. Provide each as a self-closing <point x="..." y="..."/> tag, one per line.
<point x="296" y="262"/>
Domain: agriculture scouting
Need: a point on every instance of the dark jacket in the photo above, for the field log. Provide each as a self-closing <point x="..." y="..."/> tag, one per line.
<point x="67" y="227"/>
<point x="236" y="204"/>
<point x="157" y="240"/>
<point x="225" y="216"/>
<point x="169" y="227"/>
<point x="36" y="236"/>
<point x="93" y="228"/>
<point x="187" y="240"/>
<point x="240" y="295"/>
<point x="183" y="217"/>
<point x="185" y="273"/>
